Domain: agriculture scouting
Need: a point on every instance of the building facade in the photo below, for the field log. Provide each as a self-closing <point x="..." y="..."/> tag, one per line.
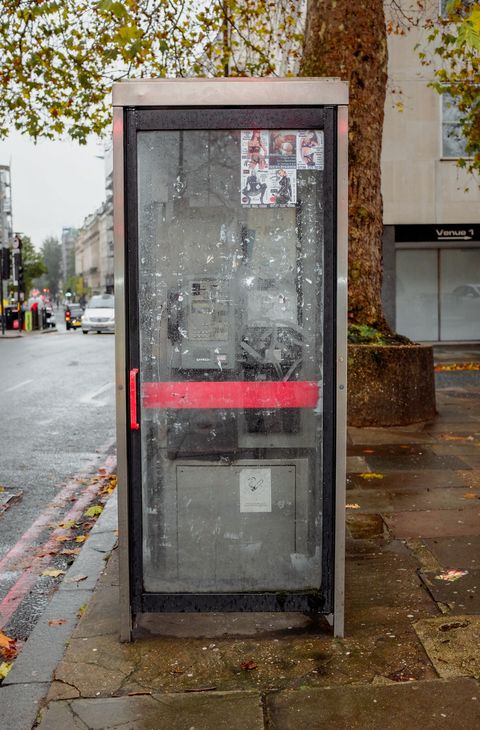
<point x="431" y="206"/>
<point x="69" y="236"/>
<point x="93" y="258"/>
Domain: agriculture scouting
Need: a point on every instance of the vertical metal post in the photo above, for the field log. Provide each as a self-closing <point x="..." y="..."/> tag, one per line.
<point x="341" y="396"/>
<point x="121" y="381"/>
<point x="2" y="310"/>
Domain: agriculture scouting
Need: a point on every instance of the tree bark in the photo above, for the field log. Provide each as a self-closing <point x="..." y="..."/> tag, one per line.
<point x="349" y="41"/>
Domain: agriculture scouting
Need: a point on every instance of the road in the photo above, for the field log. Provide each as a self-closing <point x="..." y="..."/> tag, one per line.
<point x="57" y="423"/>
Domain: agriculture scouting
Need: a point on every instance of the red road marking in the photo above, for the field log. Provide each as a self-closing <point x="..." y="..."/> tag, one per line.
<point x="51" y="514"/>
<point x="231" y="394"/>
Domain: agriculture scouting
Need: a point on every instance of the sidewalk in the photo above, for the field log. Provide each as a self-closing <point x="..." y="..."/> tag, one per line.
<point x="410" y="657"/>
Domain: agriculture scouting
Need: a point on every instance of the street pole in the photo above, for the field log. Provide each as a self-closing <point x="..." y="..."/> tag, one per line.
<point x="2" y="310"/>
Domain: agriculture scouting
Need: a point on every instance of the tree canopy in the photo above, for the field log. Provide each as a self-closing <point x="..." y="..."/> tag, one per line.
<point x="52" y="258"/>
<point x="33" y="264"/>
<point x="59" y="59"/>
<point x="455" y="40"/>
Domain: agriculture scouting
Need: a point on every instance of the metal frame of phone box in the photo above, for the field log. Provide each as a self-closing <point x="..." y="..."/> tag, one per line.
<point x="229" y="104"/>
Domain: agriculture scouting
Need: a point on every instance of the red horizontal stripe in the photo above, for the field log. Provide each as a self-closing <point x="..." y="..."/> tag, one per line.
<point x="231" y="394"/>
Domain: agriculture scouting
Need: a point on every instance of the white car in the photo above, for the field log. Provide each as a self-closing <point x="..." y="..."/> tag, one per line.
<point x="99" y="314"/>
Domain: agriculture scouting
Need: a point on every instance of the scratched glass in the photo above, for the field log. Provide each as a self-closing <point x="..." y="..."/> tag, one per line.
<point x="230" y="319"/>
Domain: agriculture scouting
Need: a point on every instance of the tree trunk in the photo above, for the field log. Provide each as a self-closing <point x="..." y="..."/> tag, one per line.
<point x="350" y="41"/>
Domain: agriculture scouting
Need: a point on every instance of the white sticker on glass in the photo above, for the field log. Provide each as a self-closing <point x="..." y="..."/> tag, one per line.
<point x="256" y="490"/>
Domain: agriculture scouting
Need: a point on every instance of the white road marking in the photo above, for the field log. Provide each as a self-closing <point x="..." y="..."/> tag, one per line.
<point x="89" y="397"/>
<point x="19" y="385"/>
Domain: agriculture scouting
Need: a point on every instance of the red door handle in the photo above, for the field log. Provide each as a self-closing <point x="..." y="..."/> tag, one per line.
<point x="134" y="425"/>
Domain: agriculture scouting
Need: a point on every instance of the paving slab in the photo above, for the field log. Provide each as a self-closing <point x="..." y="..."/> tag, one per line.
<point x="388" y="449"/>
<point x="386" y="578"/>
<point x="412" y="462"/>
<point x="461" y="595"/>
<point x="449" y="705"/>
<point x="19" y="705"/>
<point x="451" y="643"/>
<point x="416" y="480"/>
<point x="380" y="500"/>
<point x="459" y="448"/>
<point x="222" y="711"/>
<point x="434" y="523"/>
<point x="455" y="552"/>
<point x="369" y="437"/>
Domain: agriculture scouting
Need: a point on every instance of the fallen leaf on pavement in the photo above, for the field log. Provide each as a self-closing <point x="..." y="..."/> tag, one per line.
<point x="63" y="538"/>
<point x="70" y="551"/>
<point x="8" y="649"/>
<point x="44" y="553"/>
<point x="67" y="525"/>
<point x="247" y="666"/>
<point x="371" y="475"/>
<point x="354" y="505"/>
<point x="53" y="572"/>
<point x="450" y="575"/>
<point x="368" y="451"/>
<point x="56" y="621"/>
<point x="457" y="366"/>
<point x="471" y="495"/>
<point x="93" y="511"/>
<point x="4" y="669"/>
<point x="76" y="578"/>
<point x="80" y="538"/>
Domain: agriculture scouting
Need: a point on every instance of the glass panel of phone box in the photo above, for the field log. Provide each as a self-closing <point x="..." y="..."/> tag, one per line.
<point x="230" y="311"/>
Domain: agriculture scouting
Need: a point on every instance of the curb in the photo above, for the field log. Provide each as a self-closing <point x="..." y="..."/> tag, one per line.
<point x="27" y="684"/>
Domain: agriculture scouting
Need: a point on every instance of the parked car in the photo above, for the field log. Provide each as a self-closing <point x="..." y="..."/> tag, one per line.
<point x="73" y="316"/>
<point x="99" y="315"/>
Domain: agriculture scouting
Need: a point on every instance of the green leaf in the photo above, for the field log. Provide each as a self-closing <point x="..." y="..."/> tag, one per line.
<point x="116" y="8"/>
<point x="93" y="511"/>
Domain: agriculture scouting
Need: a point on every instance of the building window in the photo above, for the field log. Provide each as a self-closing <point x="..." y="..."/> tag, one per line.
<point x="453" y="141"/>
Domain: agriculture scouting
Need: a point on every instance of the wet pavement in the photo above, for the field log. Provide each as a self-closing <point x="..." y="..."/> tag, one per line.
<point x="410" y="653"/>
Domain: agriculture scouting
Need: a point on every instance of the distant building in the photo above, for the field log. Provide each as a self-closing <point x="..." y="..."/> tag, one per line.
<point x="92" y="260"/>
<point x="69" y="236"/>
<point x="108" y="264"/>
<point x="5" y="207"/>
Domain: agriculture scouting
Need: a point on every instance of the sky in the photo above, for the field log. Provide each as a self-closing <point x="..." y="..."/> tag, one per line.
<point x="54" y="184"/>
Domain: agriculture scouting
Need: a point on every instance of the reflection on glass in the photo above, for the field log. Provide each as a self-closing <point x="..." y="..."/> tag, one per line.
<point x="231" y="360"/>
<point x="417" y="294"/>
<point x="460" y="294"/>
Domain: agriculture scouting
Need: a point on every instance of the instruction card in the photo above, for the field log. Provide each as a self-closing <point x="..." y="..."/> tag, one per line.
<point x="255" y="490"/>
<point x="269" y="163"/>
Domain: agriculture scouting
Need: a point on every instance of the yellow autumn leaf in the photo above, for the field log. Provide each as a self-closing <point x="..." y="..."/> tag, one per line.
<point x="80" y="538"/>
<point x="371" y="475"/>
<point x="93" y="511"/>
<point x="4" y="669"/>
<point x="53" y="572"/>
<point x="67" y="525"/>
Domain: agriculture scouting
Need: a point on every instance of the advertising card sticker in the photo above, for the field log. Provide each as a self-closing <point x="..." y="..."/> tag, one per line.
<point x="310" y="153"/>
<point x="270" y="162"/>
<point x="255" y="490"/>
